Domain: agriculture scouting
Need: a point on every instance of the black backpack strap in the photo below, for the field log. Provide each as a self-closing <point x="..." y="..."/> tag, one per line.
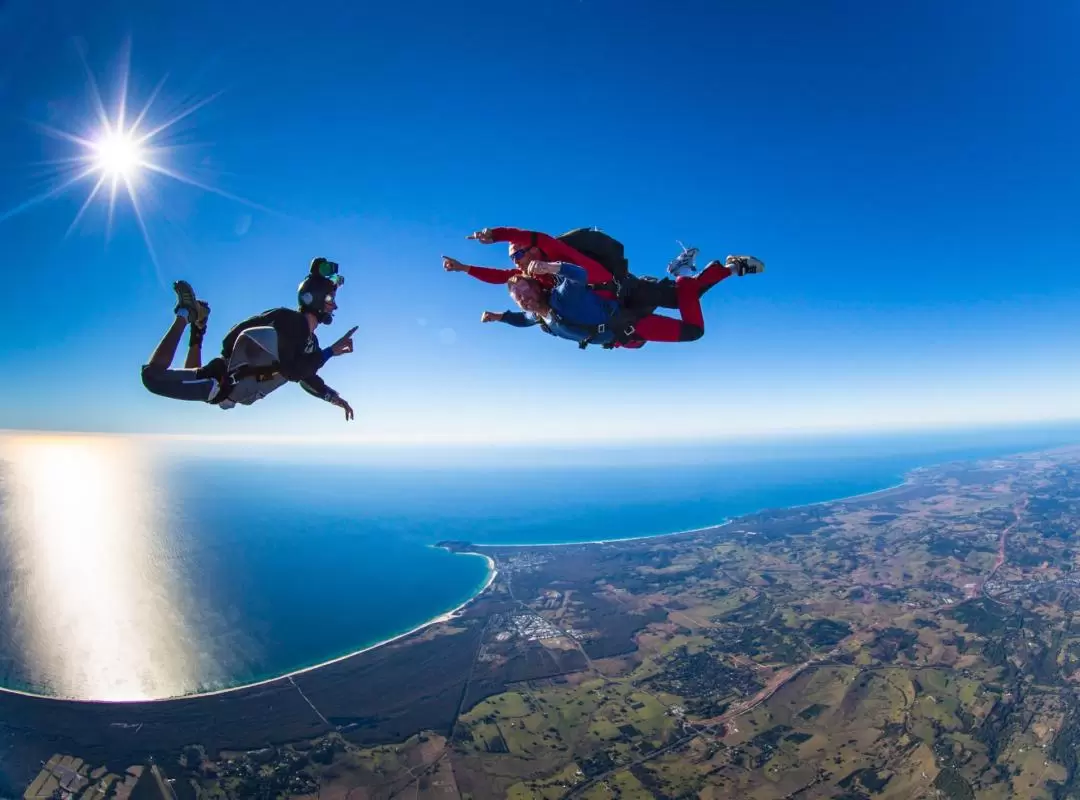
<point x="534" y="241"/>
<point x="622" y="287"/>
<point x="261" y="373"/>
<point x="608" y="286"/>
<point x="228" y="380"/>
<point x="623" y="319"/>
<point x="621" y="322"/>
<point x="591" y="330"/>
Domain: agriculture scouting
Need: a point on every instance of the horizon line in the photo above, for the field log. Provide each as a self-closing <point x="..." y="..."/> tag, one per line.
<point x="780" y="432"/>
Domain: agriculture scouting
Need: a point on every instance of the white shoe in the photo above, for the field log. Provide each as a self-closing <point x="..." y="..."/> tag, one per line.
<point x="683" y="264"/>
<point x="744" y="265"/>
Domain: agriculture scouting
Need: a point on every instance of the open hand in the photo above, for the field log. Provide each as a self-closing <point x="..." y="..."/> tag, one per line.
<point x="484" y="236"/>
<point x="341" y="402"/>
<point x="345" y="343"/>
<point x="453" y="265"/>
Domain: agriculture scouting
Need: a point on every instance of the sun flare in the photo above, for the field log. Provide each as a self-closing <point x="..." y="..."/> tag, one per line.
<point x="118" y="155"/>
<point x="121" y="152"/>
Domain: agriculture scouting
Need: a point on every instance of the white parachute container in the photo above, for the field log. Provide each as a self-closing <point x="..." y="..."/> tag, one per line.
<point x="255" y="348"/>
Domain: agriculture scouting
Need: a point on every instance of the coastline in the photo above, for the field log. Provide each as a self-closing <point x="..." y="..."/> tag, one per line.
<point x="723" y="524"/>
<point x="451" y="614"/>
<point x="444" y="617"/>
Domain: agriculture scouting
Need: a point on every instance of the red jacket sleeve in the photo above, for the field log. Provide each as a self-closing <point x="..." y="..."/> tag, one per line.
<point x="554" y="250"/>
<point x="492" y="275"/>
<point x="502" y="276"/>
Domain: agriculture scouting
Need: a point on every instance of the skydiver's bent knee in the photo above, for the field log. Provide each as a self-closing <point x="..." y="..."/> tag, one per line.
<point x="178" y="384"/>
<point x="151" y="378"/>
<point x="690" y="333"/>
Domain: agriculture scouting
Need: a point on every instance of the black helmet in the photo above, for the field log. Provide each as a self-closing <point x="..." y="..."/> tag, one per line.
<point x="321" y="284"/>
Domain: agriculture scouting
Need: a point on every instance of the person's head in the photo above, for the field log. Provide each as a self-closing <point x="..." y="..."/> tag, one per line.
<point x="523" y="255"/>
<point x="317" y="293"/>
<point x="528" y="293"/>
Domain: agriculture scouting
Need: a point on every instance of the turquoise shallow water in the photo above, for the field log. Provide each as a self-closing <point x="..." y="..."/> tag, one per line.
<point x="205" y="572"/>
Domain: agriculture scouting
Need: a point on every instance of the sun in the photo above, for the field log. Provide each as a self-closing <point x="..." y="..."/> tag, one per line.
<point x="120" y="152"/>
<point x="118" y="155"/>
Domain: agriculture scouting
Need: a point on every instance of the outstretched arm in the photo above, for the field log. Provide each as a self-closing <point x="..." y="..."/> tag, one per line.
<point x="518" y="319"/>
<point x="553" y="249"/>
<point x="485" y="274"/>
<point x="293" y="362"/>
<point x="297" y="365"/>
<point x="316" y="387"/>
<point x="491" y="274"/>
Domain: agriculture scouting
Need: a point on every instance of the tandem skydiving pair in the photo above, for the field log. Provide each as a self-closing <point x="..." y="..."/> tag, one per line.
<point x="578" y="286"/>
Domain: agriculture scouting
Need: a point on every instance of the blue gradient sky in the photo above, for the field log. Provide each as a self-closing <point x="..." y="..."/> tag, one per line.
<point x="910" y="178"/>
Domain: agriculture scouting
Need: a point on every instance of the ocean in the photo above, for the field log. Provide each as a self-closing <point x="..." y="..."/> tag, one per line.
<point x="134" y="570"/>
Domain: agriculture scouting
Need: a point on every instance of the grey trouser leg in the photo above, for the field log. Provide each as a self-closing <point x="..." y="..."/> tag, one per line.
<point x="178" y="384"/>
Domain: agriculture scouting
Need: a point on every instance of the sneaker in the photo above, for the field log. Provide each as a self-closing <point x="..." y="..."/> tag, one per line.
<point x="744" y="265"/>
<point x="201" y="318"/>
<point x="683" y="264"/>
<point x="198" y="323"/>
<point x="186" y="304"/>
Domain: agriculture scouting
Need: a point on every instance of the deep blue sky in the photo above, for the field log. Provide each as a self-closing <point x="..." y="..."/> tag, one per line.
<point x="910" y="177"/>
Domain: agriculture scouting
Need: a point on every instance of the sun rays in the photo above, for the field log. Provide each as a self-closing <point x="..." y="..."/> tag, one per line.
<point x="117" y="152"/>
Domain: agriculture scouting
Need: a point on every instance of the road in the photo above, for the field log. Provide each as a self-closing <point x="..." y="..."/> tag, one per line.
<point x="999" y="562"/>
<point x="780" y="678"/>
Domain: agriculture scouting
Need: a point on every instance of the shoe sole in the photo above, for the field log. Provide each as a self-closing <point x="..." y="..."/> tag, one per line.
<point x="204" y="316"/>
<point x="185" y="295"/>
<point x="184" y="291"/>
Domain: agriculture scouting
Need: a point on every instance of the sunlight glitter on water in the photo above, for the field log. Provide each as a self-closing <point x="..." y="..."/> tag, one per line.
<point x="95" y="604"/>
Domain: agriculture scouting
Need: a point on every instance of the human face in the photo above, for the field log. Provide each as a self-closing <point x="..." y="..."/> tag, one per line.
<point x="331" y="302"/>
<point x="522" y="256"/>
<point x="528" y="295"/>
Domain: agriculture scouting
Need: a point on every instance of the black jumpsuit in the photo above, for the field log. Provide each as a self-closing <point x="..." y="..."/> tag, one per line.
<point x="299" y="359"/>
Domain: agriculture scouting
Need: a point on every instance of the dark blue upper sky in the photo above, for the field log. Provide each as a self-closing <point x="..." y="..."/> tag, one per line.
<point x="908" y="172"/>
